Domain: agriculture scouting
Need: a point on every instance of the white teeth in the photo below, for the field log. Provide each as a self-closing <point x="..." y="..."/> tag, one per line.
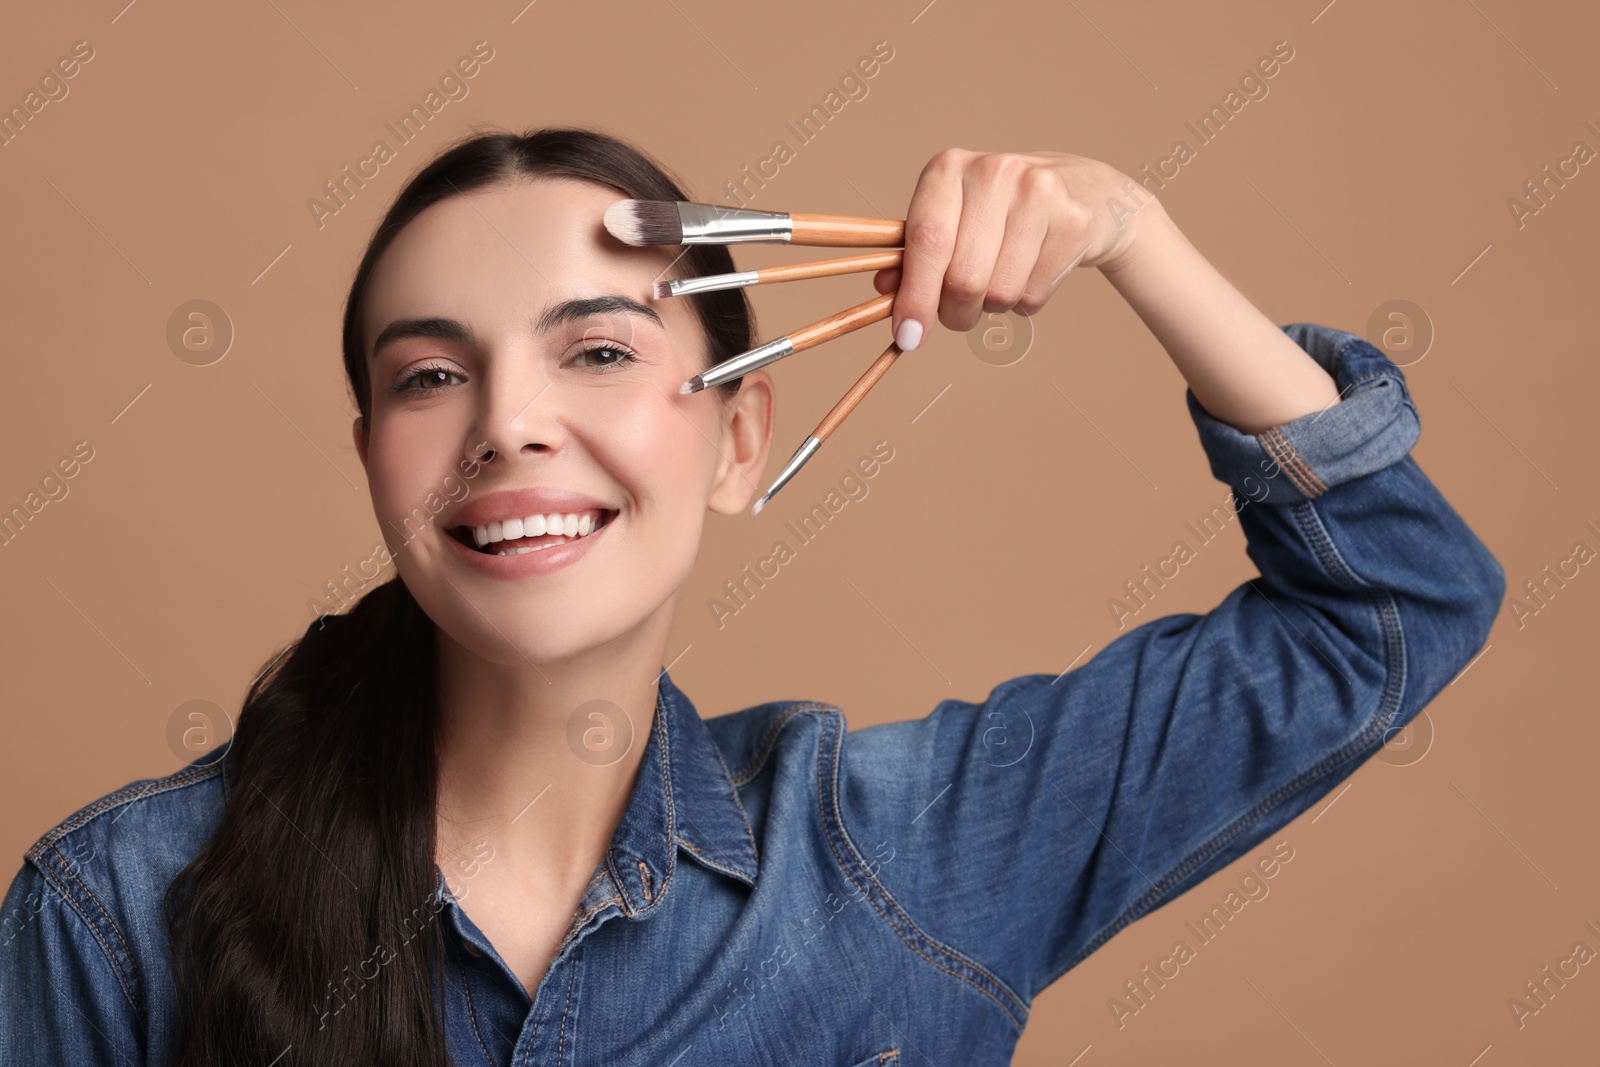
<point x="575" y="524"/>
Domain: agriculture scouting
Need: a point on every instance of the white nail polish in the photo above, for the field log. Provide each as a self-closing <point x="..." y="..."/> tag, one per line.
<point x="909" y="335"/>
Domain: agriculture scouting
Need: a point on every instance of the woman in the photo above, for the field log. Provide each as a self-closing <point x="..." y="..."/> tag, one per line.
<point x="474" y="821"/>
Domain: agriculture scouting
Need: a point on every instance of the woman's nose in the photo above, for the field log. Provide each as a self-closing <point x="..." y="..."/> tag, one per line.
<point x="516" y="412"/>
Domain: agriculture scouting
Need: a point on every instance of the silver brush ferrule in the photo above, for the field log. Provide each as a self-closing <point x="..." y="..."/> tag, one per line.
<point x="712" y="282"/>
<point x="749" y="361"/>
<point x="707" y="224"/>
<point x="803" y="453"/>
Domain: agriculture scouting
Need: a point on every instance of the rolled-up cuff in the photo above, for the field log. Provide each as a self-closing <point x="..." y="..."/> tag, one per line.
<point x="1373" y="425"/>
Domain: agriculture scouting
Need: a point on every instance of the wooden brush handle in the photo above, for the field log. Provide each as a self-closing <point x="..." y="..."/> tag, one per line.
<point x="848" y="402"/>
<point x="846" y="231"/>
<point x="827" y="268"/>
<point x="837" y="325"/>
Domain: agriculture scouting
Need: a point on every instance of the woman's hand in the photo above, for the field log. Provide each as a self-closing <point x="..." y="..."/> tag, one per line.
<point x="997" y="231"/>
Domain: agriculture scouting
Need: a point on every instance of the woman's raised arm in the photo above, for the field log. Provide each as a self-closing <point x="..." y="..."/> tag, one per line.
<point x="1040" y="820"/>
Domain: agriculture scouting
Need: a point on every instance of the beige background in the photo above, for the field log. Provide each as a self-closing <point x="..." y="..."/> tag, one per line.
<point x="1378" y="168"/>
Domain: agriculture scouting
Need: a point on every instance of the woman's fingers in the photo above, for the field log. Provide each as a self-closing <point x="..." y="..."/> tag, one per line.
<point x="1063" y="248"/>
<point x="999" y="231"/>
<point x="985" y="203"/>
<point x="931" y="223"/>
<point x="1027" y="226"/>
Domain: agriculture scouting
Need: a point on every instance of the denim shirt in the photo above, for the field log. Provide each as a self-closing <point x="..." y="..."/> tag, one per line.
<point x="782" y="889"/>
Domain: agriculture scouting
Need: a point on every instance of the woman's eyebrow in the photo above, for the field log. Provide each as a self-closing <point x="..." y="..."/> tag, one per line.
<point x="440" y="329"/>
<point x="444" y="329"/>
<point x="584" y="307"/>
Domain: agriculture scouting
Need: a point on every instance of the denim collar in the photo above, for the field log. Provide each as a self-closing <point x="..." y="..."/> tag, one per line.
<point x="683" y="795"/>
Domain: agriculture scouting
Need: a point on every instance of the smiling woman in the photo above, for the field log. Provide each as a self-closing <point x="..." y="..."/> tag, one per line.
<point x="492" y="322"/>
<point x="686" y="899"/>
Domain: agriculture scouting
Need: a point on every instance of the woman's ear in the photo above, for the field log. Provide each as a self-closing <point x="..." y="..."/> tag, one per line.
<point x="361" y="441"/>
<point x="746" y="440"/>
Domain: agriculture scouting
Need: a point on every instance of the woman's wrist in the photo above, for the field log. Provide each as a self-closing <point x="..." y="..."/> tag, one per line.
<point x="1240" y="366"/>
<point x="1134" y="210"/>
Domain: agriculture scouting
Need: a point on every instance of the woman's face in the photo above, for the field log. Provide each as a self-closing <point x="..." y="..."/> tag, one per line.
<point x="508" y="319"/>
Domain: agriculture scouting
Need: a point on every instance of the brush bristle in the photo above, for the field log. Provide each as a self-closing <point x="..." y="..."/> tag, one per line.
<point x="645" y="222"/>
<point x="663" y="290"/>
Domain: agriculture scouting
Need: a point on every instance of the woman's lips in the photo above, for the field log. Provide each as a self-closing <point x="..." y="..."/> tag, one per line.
<point x="523" y="545"/>
<point x="537" y="555"/>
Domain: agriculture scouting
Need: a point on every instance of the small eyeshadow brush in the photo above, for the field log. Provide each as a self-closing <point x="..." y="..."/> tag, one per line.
<point x="830" y="422"/>
<point x="794" y="272"/>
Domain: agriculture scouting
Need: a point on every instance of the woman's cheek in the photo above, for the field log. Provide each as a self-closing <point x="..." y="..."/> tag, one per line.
<point x="661" y="440"/>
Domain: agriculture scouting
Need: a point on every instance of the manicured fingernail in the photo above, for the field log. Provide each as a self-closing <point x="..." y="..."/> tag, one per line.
<point x="909" y="335"/>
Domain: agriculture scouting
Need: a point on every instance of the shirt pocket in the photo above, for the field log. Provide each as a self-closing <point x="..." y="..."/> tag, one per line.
<point x="887" y="1058"/>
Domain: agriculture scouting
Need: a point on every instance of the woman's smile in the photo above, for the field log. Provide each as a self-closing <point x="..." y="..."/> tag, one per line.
<point x="499" y="532"/>
<point x="527" y="556"/>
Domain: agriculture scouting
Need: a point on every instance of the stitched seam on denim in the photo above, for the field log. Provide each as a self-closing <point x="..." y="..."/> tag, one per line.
<point x="737" y="803"/>
<point x="611" y="862"/>
<point x="1394" y="683"/>
<point x="579" y="919"/>
<point x="1269" y="443"/>
<point x="561" y="1036"/>
<point x="574" y="927"/>
<point x="1381" y="372"/>
<point x="708" y="861"/>
<point x="133" y="965"/>
<point x="528" y="1037"/>
<point x="953" y="954"/>
<point x="1290" y="461"/>
<point x="126" y="973"/>
<point x="472" y="1015"/>
<point x="672" y="813"/>
<point x="526" y="1041"/>
<point x="136" y="790"/>
<point x="672" y="853"/>
<point x="769" y="739"/>
<point x="1394" y="641"/>
<point x="1339" y="350"/>
<point x="835" y="820"/>
<point x="1317" y="485"/>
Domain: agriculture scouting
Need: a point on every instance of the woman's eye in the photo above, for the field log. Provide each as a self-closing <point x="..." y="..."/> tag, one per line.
<point x="415" y="381"/>
<point x="608" y="356"/>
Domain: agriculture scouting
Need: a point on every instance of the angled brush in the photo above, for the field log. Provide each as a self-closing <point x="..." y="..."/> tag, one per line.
<point x="835" y="325"/>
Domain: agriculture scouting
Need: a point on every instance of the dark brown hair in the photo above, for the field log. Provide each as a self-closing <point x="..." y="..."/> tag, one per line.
<point x="307" y="921"/>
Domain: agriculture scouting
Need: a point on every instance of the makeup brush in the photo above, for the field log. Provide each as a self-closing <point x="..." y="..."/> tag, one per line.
<point x="795" y="272"/>
<point x="677" y="222"/>
<point x="845" y="406"/>
<point x="836" y="325"/>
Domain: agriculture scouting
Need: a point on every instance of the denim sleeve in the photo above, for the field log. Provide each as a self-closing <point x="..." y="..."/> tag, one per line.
<point x="1037" y="823"/>
<point x="60" y="999"/>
